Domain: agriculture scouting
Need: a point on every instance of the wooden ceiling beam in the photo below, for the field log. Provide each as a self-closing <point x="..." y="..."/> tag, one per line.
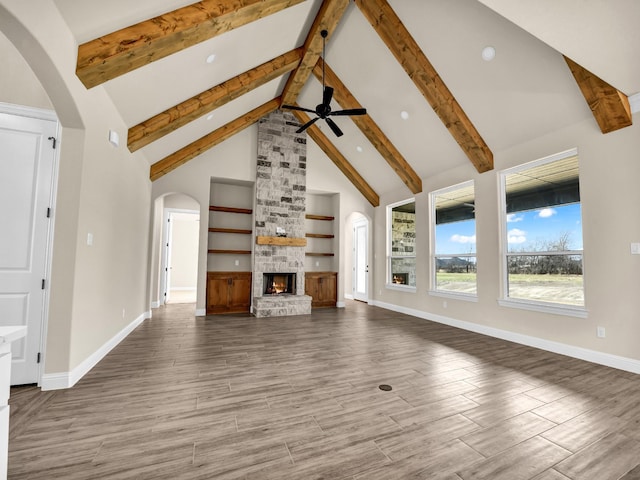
<point x="327" y="19"/>
<point x="609" y="106"/>
<point x="175" y="117"/>
<point x="339" y="160"/>
<point x="371" y="130"/>
<point x="408" y="53"/>
<point x="203" y="144"/>
<point x="132" y="47"/>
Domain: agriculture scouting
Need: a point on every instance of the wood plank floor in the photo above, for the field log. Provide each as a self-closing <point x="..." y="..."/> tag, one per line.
<point x="235" y="397"/>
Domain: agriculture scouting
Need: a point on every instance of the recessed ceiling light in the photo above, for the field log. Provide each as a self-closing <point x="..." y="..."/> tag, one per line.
<point x="359" y="149"/>
<point x="211" y="58"/>
<point x="210" y="116"/>
<point x="488" y="53"/>
<point x="404" y="115"/>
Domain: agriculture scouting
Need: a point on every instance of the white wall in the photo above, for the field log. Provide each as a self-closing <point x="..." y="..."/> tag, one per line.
<point x="18" y="84"/>
<point x="609" y="175"/>
<point x="96" y="291"/>
<point x="185" y="231"/>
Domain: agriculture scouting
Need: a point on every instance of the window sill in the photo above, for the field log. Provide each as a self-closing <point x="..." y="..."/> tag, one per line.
<point x="567" y="310"/>
<point x="467" y="297"/>
<point x="401" y="288"/>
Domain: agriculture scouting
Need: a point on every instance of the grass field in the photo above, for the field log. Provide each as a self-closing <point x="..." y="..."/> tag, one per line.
<point x="565" y="289"/>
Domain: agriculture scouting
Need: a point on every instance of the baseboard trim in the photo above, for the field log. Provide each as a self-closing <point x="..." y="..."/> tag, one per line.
<point x="201" y="312"/>
<point x="155" y="304"/>
<point x="594" y="356"/>
<point x="348" y="296"/>
<point x="340" y="304"/>
<point x="61" y="380"/>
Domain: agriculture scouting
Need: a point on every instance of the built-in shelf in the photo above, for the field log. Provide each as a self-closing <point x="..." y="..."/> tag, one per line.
<point x="319" y="217"/>
<point x="232" y="252"/>
<point x="290" y="242"/>
<point x="318" y="235"/>
<point x="329" y="236"/>
<point x="230" y="230"/>
<point x="216" y="208"/>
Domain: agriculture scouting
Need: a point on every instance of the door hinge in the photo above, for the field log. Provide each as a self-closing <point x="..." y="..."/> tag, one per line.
<point x="43" y="284"/>
<point x="48" y="212"/>
<point x="53" y="139"/>
<point x="39" y="357"/>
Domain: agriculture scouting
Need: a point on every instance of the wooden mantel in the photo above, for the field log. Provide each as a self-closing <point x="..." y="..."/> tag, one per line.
<point x="283" y="241"/>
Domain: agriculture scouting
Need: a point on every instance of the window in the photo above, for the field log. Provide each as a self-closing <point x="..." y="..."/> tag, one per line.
<point x="402" y="244"/>
<point x="454" y="240"/>
<point x="542" y="225"/>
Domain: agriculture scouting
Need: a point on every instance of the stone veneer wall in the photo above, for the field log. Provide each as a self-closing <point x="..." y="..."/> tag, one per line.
<point x="280" y="202"/>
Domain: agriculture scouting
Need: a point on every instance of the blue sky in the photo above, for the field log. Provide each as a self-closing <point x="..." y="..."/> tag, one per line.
<point x="525" y="230"/>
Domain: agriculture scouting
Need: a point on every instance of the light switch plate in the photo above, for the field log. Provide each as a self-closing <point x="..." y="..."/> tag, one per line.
<point x="635" y="248"/>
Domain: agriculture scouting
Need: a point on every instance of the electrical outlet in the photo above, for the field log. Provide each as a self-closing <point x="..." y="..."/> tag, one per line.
<point x="237" y="262"/>
<point x="444" y="304"/>
<point x="635" y="248"/>
<point x="601" y="332"/>
<point x="123" y="313"/>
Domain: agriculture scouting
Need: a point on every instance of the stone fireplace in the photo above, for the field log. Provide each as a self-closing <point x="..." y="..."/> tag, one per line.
<point x="279" y="215"/>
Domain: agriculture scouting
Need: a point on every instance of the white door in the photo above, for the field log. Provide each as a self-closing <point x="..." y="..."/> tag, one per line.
<point x="166" y="258"/>
<point x="26" y="172"/>
<point x="361" y="262"/>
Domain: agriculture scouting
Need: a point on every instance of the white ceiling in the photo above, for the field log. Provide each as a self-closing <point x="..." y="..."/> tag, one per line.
<point x="525" y="92"/>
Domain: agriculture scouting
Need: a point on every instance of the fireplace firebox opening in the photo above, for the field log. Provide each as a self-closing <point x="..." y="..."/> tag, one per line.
<point x="279" y="283"/>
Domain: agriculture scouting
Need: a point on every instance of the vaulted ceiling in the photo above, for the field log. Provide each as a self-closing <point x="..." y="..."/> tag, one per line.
<point x="422" y="57"/>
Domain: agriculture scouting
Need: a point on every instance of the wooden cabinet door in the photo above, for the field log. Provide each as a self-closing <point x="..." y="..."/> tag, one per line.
<point x="240" y="293"/>
<point x="217" y="293"/>
<point x="310" y="285"/>
<point x="228" y="292"/>
<point x="329" y="290"/>
<point x="322" y="287"/>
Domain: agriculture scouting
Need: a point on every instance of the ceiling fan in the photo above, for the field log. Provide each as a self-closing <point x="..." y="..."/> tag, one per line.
<point x="323" y="111"/>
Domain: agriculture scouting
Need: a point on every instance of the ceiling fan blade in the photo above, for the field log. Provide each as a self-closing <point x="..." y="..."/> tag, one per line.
<point x="327" y="95"/>
<point x="350" y="111"/>
<point x="307" y="125"/>
<point x="334" y="127"/>
<point x="295" y="107"/>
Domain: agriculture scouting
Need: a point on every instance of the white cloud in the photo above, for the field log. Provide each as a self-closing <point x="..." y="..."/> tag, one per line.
<point x="512" y="217"/>
<point x="546" y="212"/>
<point x="515" y="235"/>
<point x="463" y="238"/>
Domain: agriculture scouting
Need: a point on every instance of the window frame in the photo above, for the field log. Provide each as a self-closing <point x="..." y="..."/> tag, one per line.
<point x="433" y="290"/>
<point x="579" y="311"/>
<point x="388" y="283"/>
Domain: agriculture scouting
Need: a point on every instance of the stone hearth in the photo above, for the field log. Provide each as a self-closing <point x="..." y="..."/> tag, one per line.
<point x="280" y="210"/>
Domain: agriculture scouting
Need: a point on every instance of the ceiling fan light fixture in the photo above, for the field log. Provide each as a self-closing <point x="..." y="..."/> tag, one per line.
<point x="404" y="115"/>
<point x="359" y="149"/>
<point x="323" y="110"/>
<point x="211" y="58"/>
